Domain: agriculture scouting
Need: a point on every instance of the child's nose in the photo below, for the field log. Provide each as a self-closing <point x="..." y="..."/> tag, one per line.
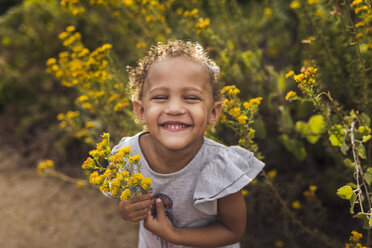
<point x="175" y="107"/>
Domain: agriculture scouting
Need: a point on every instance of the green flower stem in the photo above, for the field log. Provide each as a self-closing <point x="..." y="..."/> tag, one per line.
<point x="362" y="67"/>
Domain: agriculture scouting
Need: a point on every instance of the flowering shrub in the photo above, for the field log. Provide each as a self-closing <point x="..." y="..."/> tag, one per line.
<point x="122" y="177"/>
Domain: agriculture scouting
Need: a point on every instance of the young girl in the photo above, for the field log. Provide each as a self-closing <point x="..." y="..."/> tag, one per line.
<point x="196" y="181"/>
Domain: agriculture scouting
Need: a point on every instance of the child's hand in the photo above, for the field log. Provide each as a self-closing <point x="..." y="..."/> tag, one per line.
<point x="159" y="225"/>
<point x="135" y="209"/>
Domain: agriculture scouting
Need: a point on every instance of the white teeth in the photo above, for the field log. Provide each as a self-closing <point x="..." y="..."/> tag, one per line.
<point x="175" y="126"/>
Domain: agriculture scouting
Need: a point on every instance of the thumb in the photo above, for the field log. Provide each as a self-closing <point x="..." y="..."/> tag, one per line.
<point x="160" y="209"/>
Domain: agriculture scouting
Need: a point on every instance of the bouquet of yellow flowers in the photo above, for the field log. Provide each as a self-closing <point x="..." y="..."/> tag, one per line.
<point x="118" y="178"/>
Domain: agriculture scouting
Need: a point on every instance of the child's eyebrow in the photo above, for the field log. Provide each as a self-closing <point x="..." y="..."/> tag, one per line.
<point x="184" y="89"/>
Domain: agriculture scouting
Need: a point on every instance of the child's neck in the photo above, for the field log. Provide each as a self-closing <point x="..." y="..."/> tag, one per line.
<point x="163" y="160"/>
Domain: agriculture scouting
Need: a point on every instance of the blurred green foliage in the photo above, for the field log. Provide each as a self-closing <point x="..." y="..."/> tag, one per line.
<point x="255" y="43"/>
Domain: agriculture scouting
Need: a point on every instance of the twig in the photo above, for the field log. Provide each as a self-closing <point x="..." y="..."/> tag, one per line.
<point x="364" y="92"/>
<point x="292" y="216"/>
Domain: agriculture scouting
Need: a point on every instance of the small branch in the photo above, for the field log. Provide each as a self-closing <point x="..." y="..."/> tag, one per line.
<point x="63" y="177"/>
<point x="364" y="92"/>
<point x="292" y="216"/>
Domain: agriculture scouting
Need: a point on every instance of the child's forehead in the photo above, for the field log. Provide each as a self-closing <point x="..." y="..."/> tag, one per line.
<point x="178" y="61"/>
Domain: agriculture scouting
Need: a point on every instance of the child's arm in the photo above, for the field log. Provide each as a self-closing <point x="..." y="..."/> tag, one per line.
<point x="135" y="209"/>
<point x="229" y="230"/>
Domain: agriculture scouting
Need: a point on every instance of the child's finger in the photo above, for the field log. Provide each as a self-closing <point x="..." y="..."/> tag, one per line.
<point x="141" y="198"/>
<point x="137" y="206"/>
<point x="160" y="209"/>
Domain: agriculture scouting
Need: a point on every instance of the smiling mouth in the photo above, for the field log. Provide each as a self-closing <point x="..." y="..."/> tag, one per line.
<point x="175" y="126"/>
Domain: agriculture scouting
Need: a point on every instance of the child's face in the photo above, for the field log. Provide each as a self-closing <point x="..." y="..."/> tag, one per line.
<point x="177" y="103"/>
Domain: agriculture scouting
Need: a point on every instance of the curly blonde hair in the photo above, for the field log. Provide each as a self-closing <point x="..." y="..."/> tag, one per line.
<point x="192" y="50"/>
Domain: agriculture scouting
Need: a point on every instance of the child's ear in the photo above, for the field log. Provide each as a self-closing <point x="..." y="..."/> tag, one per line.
<point x="139" y="111"/>
<point x="215" y="113"/>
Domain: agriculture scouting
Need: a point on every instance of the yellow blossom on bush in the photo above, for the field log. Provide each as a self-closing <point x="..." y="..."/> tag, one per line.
<point x="296" y="204"/>
<point x="88" y="164"/>
<point x="43" y="165"/>
<point x="289" y="74"/>
<point x="295" y="5"/>
<point x="244" y="192"/>
<point x="242" y="119"/>
<point x="291" y="95"/>
<point x="235" y="112"/>
<point x="272" y="174"/>
<point x="356" y="2"/>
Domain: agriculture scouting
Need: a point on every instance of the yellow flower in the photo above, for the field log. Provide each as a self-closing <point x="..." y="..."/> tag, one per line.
<point x="70" y="29"/>
<point x="88" y="164"/>
<point x="296" y="204"/>
<point x="133" y="180"/>
<point x="289" y="74"/>
<point x="363" y="8"/>
<point x="312" y="1"/>
<point x="203" y="23"/>
<point x="43" y="165"/>
<point x="298" y="78"/>
<point x="89" y="124"/>
<point x="80" y="184"/>
<point x="234" y="91"/>
<point x="272" y="174"/>
<point x="251" y="131"/>
<point x="356" y="2"/>
<point x="125" y="195"/>
<point x="93" y="177"/>
<point x="360" y="24"/>
<point x="355" y="236"/>
<point x="313" y="188"/>
<point x="242" y="119"/>
<point x="51" y="61"/>
<point x="226" y="89"/>
<point x="124" y="150"/>
<point x="146" y="183"/>
<point x="295" y="5"/>
<point x="223" y="118"/>
<point x="291" y="95"/>
<point x="235" y="112"/>
<point x="256" y="101"/>
<point x="134" y="158"/>
<point x="244" y="192"/>
<point x="268" y="12"/>
<point x="278" y="244"/>
<point x="254" y="181"/>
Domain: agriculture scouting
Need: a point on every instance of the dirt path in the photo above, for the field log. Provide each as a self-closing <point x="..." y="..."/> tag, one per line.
<point x="46" y="212"/>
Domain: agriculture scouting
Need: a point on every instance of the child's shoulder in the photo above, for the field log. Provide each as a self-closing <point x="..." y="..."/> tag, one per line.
<point x="213" y="147"/>
<point x="127" y="141"/>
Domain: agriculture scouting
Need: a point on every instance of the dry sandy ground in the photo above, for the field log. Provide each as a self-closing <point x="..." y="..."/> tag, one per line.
<point x="47" y="212"/>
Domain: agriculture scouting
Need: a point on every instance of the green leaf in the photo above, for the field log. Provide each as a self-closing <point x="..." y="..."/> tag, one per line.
<point x="317" y="124"/>
<point x="352" y="202"/>
<point x="370" y="222"/>
<point x="368" y="176"/>
<point x="353" y="185"/>
<point x="349" y="163"/>
<point x="365" y="219"/>
<point x="287" y="122"/>
<point x="365" y="120"/>
<point x="344" y="148"/>
<point x="345" y="192"/>
<point x="296" y="147"/>
<point x="361" y="151"/>
<point x="336" y="135"/>
<point x="366" y="138"/>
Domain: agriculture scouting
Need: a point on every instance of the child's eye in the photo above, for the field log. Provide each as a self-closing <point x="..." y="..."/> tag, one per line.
<point x="160" y="98"/>
<point x="192" y="98"/>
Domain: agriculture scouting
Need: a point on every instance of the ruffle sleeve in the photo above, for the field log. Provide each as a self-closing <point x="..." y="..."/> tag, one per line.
<point x="227" y="173"/>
